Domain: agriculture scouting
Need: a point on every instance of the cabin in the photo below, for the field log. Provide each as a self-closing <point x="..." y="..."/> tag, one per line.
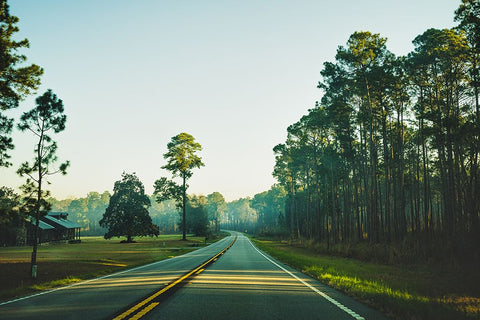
<point x="64" y="229"/>
<point x="54" y="227"/>
<point x="46" y="232"/>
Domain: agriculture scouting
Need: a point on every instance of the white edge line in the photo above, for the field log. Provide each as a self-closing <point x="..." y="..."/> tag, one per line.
<point x="324" y="295"/>
<point x="89" y="280"/>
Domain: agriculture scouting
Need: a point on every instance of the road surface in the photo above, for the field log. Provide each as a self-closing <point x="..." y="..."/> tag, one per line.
<point x="103" y="297"/>
<point x="243" y="283"/>
<point x="246" y="283"/>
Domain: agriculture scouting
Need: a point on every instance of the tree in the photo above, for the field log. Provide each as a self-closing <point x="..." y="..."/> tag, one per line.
<point x="165" y="189"/>
<point x="16" y="80"/>
<point x="270" y="208"/>
<point x="164" y="214"/>
<point x="240" y="215"/>
<point x="11" y="218"/>
<point x="197" y="215"/>
<point x="181" y="159"/>
<point x="46" y="117"/>
<point x="216" y="207"/>
<point x="468" y="14"/>
<point x="127" y="212"/>
<point x="87" y="211"/>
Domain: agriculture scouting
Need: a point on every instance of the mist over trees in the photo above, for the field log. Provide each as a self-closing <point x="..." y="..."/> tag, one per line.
<point x="206" y="215"/>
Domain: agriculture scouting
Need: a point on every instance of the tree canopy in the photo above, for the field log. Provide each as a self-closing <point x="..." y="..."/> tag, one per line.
<point x="182" y="155"/>
<point x="216" y="207"/>
<point x="197" y="215"/>
<point x="17" y="80"/>
<point x="391" y="153"/>
<point x="127" y="212"/>
<point x="181" y="159"/>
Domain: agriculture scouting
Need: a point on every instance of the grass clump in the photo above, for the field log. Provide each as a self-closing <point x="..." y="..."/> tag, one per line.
<point x="55" y="283"/>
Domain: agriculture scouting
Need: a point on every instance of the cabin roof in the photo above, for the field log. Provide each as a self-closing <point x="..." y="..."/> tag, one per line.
<point x="41" y="224"/>
<point x="62" y="222"/>
<point x="44" y="226"/>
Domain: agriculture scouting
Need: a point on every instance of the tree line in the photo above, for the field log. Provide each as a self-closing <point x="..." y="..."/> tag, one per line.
<point x="392" y="149"/>
<point x="263" y="214"/>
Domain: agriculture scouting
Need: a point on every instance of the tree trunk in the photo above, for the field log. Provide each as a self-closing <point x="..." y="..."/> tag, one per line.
<point x="184" y="208"/>
<point x="33" y="263"/>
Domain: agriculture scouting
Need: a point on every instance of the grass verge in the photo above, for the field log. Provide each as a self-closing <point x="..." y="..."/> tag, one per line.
<point x="400" y="292"/>
<point x="63" y="264"/>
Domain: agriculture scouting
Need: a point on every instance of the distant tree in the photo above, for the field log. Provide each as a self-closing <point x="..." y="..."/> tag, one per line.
<point x="240" y="215"/>
<point x="96" y="205"/>
<point x="270" y="208"/>
<point x="127" y="213"/>
<point x="11" y="217"/>
<point x="16" y="80"/>
<point x="181" y="159"/>
<point x="86" y="211"/>
<point x="78" y="211"/>
<point x="216" y="207"/>
<point x="46" y="117"/>
<point x="59" y="205"/>
<point x="197" y="216"/>
<point x="167" y="190"/>
<point x="164" y="214"/>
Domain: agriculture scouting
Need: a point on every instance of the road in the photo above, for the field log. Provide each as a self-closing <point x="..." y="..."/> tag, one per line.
<point x="244" y="283"/>
<point x="103" y="297"/>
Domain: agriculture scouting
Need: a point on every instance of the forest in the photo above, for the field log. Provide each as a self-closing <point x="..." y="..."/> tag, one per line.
<point x="391" y="152"/>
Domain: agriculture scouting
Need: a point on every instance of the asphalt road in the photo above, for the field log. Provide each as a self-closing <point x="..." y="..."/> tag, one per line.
<point x="103" y="297"/>
<point x="244" y="283"/>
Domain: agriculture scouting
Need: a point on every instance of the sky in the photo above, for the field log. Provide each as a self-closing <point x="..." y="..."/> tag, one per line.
<point x="234" y="74"/>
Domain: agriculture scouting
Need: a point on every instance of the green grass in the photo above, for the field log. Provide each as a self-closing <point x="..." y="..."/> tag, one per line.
<point x="401" y="292"/>
<point x="63" y="264"/>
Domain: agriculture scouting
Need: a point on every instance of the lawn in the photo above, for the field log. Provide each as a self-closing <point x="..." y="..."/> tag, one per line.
<point x="61" y="264"/>
<point x="400" y="292"/>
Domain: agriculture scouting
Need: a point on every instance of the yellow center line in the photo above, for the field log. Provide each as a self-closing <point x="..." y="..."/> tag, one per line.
<point x="171" y="285"/>
<point x="145" y="310"/>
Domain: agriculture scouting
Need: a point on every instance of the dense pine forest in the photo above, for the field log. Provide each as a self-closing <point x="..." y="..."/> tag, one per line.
<point x="391" y="152"/>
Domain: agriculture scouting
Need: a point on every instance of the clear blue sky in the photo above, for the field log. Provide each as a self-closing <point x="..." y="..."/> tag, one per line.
<point x="234" y="74"/>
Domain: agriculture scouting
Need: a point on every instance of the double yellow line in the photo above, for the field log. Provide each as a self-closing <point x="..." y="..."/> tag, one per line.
<point x="147" y="303"/>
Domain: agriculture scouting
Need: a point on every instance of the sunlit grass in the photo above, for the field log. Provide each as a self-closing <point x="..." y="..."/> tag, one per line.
<point x="55" y="283"/>
<point x="418" y="292"/>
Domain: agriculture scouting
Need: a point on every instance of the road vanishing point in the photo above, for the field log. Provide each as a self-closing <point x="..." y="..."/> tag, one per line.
<point x="229" y="279"/>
